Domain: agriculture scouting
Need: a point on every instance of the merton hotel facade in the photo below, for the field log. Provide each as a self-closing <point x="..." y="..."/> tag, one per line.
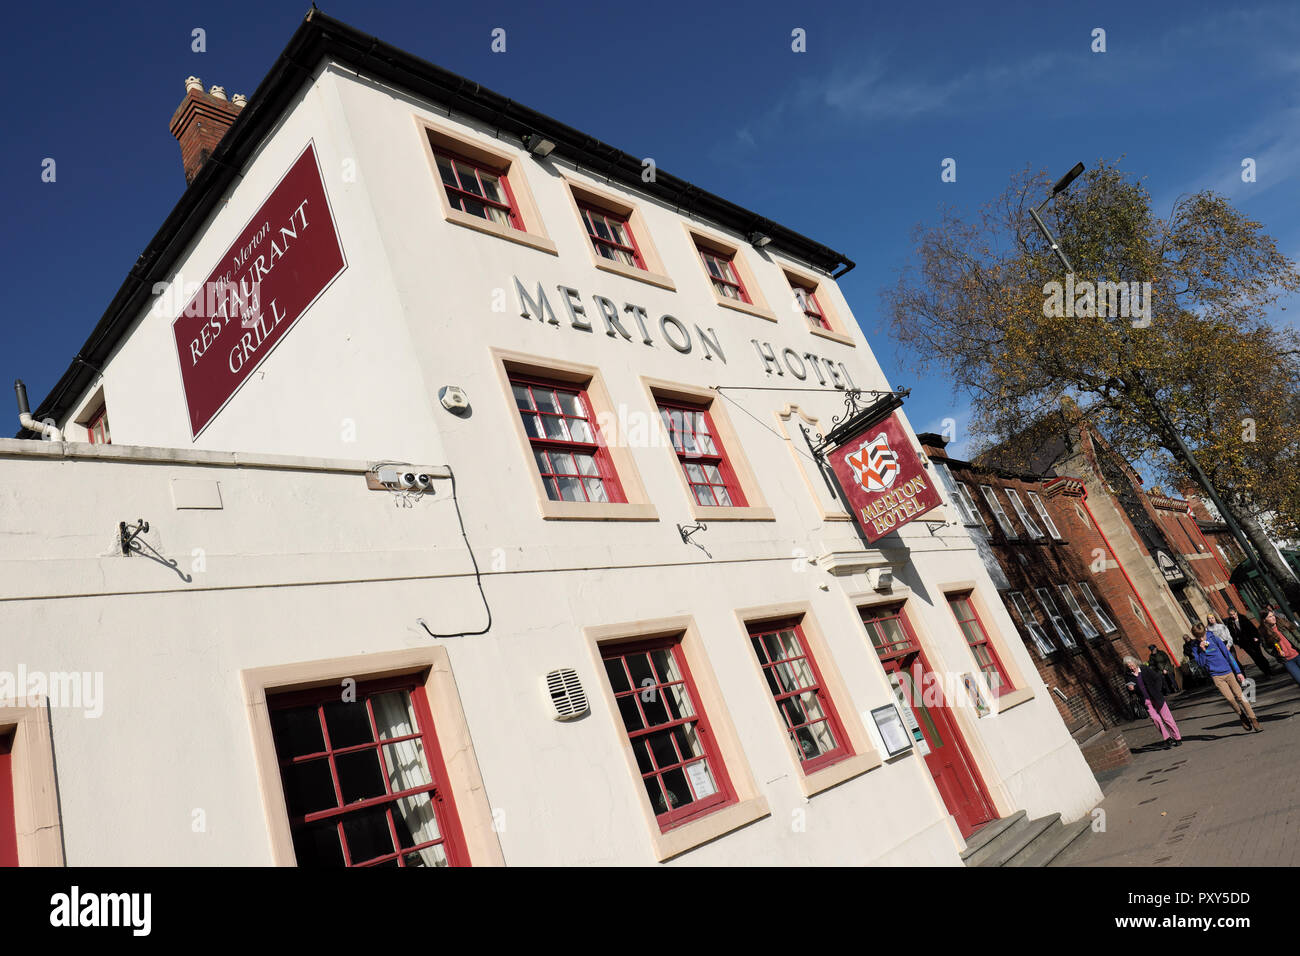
<point x="479" y="512"/>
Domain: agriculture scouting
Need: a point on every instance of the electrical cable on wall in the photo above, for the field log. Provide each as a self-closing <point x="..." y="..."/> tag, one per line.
<point x="478" y="577"/>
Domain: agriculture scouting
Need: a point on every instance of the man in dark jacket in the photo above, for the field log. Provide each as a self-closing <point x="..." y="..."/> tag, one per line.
<point x="1146" y="683"/>
<point x="1160" y="662"/>
<point x="1246" y="636"/>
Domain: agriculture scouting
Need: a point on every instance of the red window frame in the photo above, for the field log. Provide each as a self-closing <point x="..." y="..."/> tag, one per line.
<point x="809" y="298"/>
<point x="724" y="262"/>
<point x="459" y="196"/>
<point x="99" y="422"/>
<point x="702" y="458"/>
<point x="886" y="649"/>
<point x="980" y="639"/>
<point x="450" y="838"/>
<point x="550" y="451"/>
<point x="793" y="709"/>
<point x="640" y="703"/>
<point x="590" y="214"/>
<point x="8" y="823"/>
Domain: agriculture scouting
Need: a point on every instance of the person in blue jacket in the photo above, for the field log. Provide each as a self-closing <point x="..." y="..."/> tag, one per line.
<point x="1221" y="664"/>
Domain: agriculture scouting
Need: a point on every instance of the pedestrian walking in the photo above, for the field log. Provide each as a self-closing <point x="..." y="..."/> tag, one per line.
<point x="1159" y="662"/>
<point x="1145" y="682"/>
<point x="1217" y="627"/>
<point x="1246" y="636"/>
<point x="1283" y="648"/>
<point x="1193" y="675"/>
<point x="1213" y="655"/>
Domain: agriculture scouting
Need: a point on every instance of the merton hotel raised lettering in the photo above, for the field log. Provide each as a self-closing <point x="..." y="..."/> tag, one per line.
<point x="633" y="321"/>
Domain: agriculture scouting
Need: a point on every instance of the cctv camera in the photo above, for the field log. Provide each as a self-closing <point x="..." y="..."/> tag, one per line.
<point x="424" y="481"/>
<point x="408" y="479"/>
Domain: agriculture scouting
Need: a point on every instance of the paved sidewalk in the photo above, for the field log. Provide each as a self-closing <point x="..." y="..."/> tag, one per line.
<point x="1226" y="797"/>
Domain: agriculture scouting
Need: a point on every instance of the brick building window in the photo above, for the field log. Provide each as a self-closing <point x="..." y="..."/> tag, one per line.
<point x="680" y="763"/>
<point x="1042" y="513"/>
<point x="1014" y="497"/>
<point x="1030" y="623"/>
<point x="477" y="189"/>
<point x="797" y="687"/>
<point x="364" y="781"/>
<point x="1085" y="625"/>
<point x="611" y="235"/>
<point x="995" y="505"/>
<point x="963" y="492"/>
<point x="978" y="639"/>
<point x="565" y="440"/>
<point x="1107" y="625"/>
<point x="723" y="274"/>
<point x="1058" y="622"/>
<point x="704" y="461"/>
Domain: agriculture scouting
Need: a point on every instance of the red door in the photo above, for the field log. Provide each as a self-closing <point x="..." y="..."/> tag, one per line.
<point x="926" y="712"/>
<point x="8" y="831"/>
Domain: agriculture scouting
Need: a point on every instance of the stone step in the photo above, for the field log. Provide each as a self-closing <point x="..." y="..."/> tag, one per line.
<point x="1013" y="841"/>
<point x="1051" y="844"/>
<point x="990" y="832"/>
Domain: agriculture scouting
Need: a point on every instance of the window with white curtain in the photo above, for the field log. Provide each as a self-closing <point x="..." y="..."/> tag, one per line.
<point x="363" y="778"/>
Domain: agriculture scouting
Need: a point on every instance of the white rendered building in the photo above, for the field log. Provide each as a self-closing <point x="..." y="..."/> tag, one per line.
<point x="577" y="358"/>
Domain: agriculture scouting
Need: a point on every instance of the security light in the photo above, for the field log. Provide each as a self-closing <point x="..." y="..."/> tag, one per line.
<point x="538" y="145"/>
<point x="759" y="239"/>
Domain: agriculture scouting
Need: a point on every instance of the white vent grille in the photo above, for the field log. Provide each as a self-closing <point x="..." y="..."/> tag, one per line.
<point x="567" y="697"/>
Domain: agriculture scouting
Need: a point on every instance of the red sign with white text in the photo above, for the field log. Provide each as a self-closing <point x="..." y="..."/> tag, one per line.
<point x="883" y="479"/>
<point x="285" y="257"/>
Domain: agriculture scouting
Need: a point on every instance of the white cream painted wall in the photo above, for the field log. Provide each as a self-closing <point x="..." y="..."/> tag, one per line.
<point x="287" y="555"/>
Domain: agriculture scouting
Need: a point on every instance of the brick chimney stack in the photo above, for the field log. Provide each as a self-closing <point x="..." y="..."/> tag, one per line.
<point x="200" y="121"/>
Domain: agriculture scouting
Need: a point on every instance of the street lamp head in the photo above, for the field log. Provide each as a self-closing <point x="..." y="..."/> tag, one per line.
<point x="1068" y="178"/>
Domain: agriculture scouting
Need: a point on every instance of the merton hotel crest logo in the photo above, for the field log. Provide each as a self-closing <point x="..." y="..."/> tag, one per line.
<point x="875" y="466"/>
<point x="882" y="477"/>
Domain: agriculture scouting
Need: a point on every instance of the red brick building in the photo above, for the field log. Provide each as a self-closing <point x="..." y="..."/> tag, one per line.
<point x="1077" y="610"/>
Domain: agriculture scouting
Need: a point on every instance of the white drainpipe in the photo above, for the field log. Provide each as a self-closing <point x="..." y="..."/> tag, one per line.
<point x="25" y="415"/>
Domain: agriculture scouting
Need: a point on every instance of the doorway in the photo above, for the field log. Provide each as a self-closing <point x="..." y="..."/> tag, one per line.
<point x="927" y="714"/>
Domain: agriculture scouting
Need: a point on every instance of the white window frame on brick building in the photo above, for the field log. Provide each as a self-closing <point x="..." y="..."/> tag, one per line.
<point x="1014" y="497"/>
<point x="1036" y="633"/>
<point x="1071" y="602"/>
<point x="1054" y="614"/>
<point x="1042" y="513"/>
<point x="1107" y="625"/>
<point x="1000" y="513"/>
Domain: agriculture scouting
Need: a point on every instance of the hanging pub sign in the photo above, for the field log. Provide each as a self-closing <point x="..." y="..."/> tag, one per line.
<point x="883" y="480"/>
<point x="285" y="257"/>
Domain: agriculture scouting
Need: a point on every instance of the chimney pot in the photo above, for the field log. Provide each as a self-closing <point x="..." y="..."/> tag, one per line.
<point x="240" y="100"/>
<point x="200" y="122"/>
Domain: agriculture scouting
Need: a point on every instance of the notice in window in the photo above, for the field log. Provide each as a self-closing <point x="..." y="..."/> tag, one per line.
<point x="701" y="780"/>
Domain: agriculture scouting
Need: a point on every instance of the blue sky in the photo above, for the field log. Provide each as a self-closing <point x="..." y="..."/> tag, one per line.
<point x="843" y="143"/>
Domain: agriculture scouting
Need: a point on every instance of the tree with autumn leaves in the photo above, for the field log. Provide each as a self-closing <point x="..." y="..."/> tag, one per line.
<point x="987" y="302"/>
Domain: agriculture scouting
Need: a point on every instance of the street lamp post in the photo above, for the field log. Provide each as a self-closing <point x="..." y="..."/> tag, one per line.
<point x="1167" y="424"/>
